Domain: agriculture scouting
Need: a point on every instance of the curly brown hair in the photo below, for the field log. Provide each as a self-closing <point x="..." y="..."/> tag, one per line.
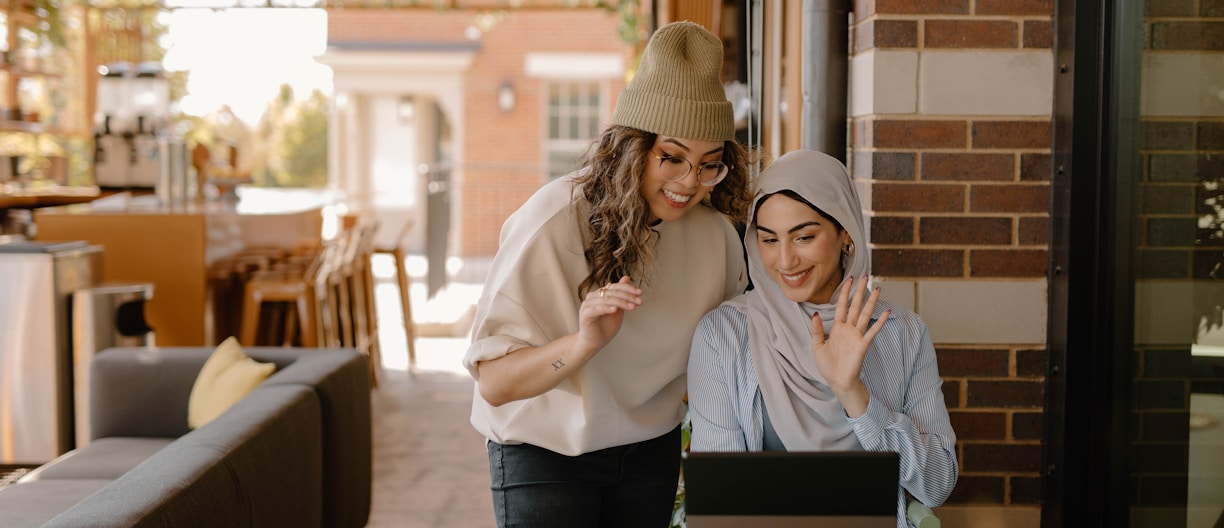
<point x="621" y="238"/>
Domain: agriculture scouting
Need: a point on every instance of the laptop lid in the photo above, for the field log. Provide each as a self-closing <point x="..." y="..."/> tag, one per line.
<point x="851" y="489"/>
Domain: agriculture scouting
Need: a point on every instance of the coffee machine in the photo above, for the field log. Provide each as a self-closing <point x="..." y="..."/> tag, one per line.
<point x="131" y="135"/>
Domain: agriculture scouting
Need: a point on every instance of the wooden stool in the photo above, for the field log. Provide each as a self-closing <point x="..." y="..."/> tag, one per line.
<point x="357" y="293"/>
<point x="298" y="287"/>
<point x="225" y="283"/>
<point x="400" y="255"/>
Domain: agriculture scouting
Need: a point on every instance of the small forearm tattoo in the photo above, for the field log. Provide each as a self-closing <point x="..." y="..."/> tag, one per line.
<point x="557" y="365"/>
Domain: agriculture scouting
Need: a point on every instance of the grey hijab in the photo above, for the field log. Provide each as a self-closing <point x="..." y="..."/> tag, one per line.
<point x="802" y="408"/>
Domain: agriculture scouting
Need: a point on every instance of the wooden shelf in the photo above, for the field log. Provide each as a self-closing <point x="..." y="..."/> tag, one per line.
<point x="12" y="5"/>
<point x="28" y="73"/>
<point x="24" y="17"/>
<point x="28" y="127"/>
<point x="13" y="69"/>
<point x="48" y="197"/>
<point x="31" y="127"/>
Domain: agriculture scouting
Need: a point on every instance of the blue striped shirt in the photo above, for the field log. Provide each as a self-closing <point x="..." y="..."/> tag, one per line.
<point x="906" y="413"/>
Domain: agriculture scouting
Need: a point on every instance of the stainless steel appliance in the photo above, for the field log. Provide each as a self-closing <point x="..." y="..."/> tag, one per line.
<point x="110" y="315"/>
<point x="37" y="280"/>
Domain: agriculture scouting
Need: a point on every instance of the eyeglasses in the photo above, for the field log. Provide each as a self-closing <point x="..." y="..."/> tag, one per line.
<point x="674" y="169"/>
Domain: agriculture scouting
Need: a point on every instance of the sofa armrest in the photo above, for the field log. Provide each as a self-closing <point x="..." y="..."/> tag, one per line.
<point x="341" y="378"/>
<point x="142" y="392"/>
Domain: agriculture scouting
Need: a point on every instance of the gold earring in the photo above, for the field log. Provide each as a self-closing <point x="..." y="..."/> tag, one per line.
<point x="848" y="249"/>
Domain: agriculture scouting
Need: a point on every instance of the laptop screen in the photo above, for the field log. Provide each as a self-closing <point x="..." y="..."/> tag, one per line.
<point x="791" y="489"/>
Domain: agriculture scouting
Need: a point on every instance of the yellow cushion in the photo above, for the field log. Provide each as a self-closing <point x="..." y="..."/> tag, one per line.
<point x="228" y="375"/>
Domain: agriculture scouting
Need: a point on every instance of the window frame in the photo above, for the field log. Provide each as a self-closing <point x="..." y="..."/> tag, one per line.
<point x="573" y="121"/>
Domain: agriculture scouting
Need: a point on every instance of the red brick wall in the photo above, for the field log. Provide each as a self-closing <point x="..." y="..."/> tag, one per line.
<point x="966" y="198"/>
<point x="396" y="25"/>
<point x="962" y="198"/>
<point x="995" y="398"/>
<point x="503" y="153"/>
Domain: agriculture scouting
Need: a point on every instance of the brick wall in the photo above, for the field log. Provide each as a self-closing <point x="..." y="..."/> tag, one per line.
<point x="505" y="155"/>
<point x="397" y="25"/>
<point x="951" y="104"/>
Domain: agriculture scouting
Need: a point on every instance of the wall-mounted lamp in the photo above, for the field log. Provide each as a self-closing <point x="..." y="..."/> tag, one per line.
<point x="406" y="109"/>
<point x="505" y="97"/>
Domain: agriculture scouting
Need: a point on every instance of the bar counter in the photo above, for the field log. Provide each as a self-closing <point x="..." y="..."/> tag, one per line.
<point x="174" y="246"/>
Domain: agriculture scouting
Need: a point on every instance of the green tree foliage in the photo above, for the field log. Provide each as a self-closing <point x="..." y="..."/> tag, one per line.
<point x="287" y="148"/>
<point x="299" y="153"/>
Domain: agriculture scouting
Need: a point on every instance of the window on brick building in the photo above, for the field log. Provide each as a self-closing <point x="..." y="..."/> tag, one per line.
<point x="574" y="109"/>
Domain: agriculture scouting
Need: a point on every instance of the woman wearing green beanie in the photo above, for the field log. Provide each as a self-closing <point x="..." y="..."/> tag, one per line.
<point x="582" y="334"/>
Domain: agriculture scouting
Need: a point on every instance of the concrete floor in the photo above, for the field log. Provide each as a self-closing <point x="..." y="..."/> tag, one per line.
<point x="430" y="466"/>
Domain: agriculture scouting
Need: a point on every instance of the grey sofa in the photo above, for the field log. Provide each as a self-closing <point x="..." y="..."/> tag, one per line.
<point x="296" y="452"/>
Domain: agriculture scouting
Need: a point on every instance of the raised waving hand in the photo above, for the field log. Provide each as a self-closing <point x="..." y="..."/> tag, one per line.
<point x="840" y="357"/>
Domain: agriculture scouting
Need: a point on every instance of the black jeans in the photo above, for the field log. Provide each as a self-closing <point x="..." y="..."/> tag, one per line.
<point x="624" y="486"/>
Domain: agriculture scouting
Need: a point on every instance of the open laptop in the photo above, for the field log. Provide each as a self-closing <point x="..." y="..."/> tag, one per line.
<point x="844" y="489"/>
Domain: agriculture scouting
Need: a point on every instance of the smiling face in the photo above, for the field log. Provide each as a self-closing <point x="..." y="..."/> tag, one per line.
<point x="669" y="201"/>
<point x="800" y="248"/>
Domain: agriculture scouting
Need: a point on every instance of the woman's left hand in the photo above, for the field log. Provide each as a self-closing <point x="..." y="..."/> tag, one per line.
<point x="840" y="357"/>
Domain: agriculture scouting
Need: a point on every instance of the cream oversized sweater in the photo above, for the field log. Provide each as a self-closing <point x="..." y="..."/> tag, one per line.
<point x="633" y="389"/>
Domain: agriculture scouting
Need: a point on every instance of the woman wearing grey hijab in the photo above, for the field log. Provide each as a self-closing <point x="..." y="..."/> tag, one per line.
<point x="807" y="360"/>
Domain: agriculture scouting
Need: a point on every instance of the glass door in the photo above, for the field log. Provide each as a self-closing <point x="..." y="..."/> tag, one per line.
<point x="1169" y="152"/>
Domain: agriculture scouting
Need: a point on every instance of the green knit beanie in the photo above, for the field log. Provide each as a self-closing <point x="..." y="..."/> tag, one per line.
<point x="677" y="90"/>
